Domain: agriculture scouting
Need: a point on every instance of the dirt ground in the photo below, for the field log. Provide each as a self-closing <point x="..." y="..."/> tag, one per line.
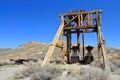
<point x="6" y="72"/>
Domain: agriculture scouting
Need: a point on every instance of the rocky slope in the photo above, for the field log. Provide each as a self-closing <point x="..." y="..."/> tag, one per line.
<point x="35" y="50"/>
<point x="27" y="50"/>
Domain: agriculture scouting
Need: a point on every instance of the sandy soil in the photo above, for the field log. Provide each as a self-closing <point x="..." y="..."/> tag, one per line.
<point x="7" y="72"/>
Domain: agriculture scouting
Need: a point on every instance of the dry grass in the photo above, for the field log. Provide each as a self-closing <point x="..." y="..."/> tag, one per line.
<point x="36" y="72"/>
<point x="33" y="71"/>
<point x="94" y="73"/>
<point x="5" y="63"/>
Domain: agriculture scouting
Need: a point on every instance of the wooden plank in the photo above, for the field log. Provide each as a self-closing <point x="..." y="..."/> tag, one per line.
<point x="86" y="31"/>
<point x="105" y="58"/>
<point x="62" y="49"/>
<point x="78" y="20"/>
<point x="83" y="43"/>
<point x="80" y="27"/>
<point x="75" y="13"/>
<point x="91" y="19"/>
<point x="52" y="47"/>
<point x="71" y="20"/>
<point x="88" y="19"/>
<point x="78" y="40"/>
<point x="68" y="45"/>
<point x="81" y="17"/>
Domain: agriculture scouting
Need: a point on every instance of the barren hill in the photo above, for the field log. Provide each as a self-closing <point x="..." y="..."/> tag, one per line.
<point x="34" y="50"/>
<point x="27" y="50"/>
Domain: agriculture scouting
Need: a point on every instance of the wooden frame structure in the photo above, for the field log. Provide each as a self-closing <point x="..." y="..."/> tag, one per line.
<point x="79" y="22"/>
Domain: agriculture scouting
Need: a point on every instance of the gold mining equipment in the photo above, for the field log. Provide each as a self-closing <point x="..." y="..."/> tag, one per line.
<point x="79" y="22"/>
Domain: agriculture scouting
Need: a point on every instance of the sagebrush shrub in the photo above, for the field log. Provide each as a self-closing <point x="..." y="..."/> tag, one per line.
<point x="93" y="73"/>
<point x="36" y="72"/>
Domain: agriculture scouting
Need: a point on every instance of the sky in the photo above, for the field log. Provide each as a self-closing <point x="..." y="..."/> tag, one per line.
<point x="37" y="20"/>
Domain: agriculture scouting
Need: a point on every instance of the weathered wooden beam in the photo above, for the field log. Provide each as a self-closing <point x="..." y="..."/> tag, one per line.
<point x="86" y="12"/>
<point x="103" y="51"/>
<point x="54" y="42"/>
<point x="85" y="31"/>
<point x="80" y="27"/>
<point x="88" y="19"/>
<point x="78" y="20"/>
<point x="81" y="20"/>
<point x="62" y="49"/>
<point x="68" y="45"/>
<point x="71" y="20"/>
<point x="83" y="43"/>
<point x="78" y="40"/>
<point x="91" y="19"/>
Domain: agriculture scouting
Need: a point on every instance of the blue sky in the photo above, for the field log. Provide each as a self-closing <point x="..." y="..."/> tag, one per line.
<point x="37" y="20"/>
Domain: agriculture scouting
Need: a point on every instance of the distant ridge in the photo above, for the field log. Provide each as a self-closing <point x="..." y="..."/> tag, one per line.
<point x="34" y="49"/>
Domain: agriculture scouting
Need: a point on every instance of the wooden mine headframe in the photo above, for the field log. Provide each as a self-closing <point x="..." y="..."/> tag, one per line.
<point x="79" y="22"/>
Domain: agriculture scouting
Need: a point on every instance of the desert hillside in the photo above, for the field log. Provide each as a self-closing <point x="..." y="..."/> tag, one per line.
<point x="38" y="50"/>
<point x="27" y="50"/>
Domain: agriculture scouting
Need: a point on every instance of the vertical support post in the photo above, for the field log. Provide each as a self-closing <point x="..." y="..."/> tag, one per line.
<point x="83" y="44"/>
<point x="99" y="46"/>
<point x="63" y="53"/>
<point x="68" y="45"/>
<point x="98" y="37"/>
<point x="70" y="40"/>
<point x="91" y="23"/>
<point x="81" y="17"/>
<point x="78" y="33"/>
<point x="88" y="18"/>
<point x="78" y="40"/>
<point x="102" y="44"/>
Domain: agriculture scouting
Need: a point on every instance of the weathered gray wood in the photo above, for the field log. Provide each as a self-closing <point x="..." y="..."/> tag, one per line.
<point x="52" y="46"/>
<point x="102" y="46"/>
<point x="83" y="43"/>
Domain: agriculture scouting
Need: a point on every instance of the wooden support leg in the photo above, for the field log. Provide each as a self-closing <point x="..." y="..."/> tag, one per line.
<point x="54" y="42"/>
<point x="68" y="46"/>
<point x="103" y="51"/>
<point x="83" y="45"/>
<point x="99" y="48"/>
<point x="62" y="50"/>
<point x="78" y="40"/>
